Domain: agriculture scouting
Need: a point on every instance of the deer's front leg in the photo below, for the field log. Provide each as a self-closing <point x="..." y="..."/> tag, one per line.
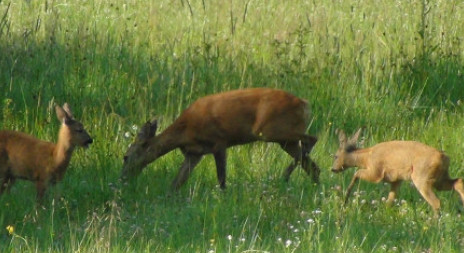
<point x="190" y="161"/>
<point x="393" y="192"/>
<point x="41" y="186"/>
<point x="373" y="176"/>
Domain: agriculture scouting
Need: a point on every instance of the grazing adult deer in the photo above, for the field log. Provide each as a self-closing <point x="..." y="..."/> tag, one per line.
<point x="216" y="122"/>
<point x="397" y="161"/>
<point x="25" y="157"/>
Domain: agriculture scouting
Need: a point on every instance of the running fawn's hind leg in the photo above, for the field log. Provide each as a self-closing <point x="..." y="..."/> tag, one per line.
<point x="452" y="184"/>
<point x="458" y="186"/>
<point x="425" y="189"/>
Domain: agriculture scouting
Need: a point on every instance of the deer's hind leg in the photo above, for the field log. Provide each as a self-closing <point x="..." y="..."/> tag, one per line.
<point x="300" y="155"/>
<point x="452" y="184"/>
<point x="425" y="189"/>
<point x="220" y="157"/>
<point x="300" y="150"/>
<point x="458" y="186"/>
<point x="307" y="163"/>
<point x="293" y="149"/>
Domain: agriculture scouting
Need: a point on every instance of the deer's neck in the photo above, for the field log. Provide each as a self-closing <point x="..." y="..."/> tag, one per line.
<point x="168" y="140"/>
<point x="358" y="158"/>
<point x="63" y="149"/>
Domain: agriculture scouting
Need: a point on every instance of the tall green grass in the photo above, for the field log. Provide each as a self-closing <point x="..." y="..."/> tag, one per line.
<point x="394" y="67"/>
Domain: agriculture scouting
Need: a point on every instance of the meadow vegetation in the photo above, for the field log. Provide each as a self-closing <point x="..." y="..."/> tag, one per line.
<point x="393" y="67"/>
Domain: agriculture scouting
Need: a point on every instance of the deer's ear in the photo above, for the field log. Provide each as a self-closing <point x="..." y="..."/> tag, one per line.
<point x="148" y="129"/>
<point x="355" y="137"/>
<point x="67" y="109"/>
<point x="153" y="127"/>
<point x="341" y="136"/>
<point x="62" y="115"/>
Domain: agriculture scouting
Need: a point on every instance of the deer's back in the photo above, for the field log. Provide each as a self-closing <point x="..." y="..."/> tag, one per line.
<point x="23" y="154"/>
<point x="399" y="159"/>
<point x="232" y="115"/>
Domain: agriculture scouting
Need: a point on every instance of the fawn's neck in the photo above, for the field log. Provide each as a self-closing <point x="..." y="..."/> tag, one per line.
<point x="358" y="158"/>
<point x="63" y="148"/>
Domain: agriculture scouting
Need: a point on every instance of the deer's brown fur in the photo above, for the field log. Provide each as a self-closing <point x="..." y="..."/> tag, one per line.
<point x="24" y="157"/>
<point x="397" y="161"/>
<point x="216" y="122"/>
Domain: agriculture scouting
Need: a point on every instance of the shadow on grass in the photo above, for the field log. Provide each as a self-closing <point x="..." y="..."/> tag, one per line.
<point x="102" y="76"/>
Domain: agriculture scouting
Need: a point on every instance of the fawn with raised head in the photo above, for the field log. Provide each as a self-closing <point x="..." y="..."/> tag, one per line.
<point x="24" y="157"/>
<point x="397" y="161"/>
<point x="215" y="122"/>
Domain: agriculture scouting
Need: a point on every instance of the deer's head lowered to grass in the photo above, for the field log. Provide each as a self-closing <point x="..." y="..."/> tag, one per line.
<point x="216" y="122"/>
<point x="394" y="162"/>
<point x="25" y="157"/>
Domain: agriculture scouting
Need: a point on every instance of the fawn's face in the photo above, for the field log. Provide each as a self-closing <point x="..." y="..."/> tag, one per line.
<point x="136" y="155"/>
<point x="76" y="132"/>
<point x="345" y="147"/>
<point x="339" y="160"/>
<point x="79" y="136"/>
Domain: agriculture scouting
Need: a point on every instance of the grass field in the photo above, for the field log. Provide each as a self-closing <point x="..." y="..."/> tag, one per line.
<point x="393" y="67"/>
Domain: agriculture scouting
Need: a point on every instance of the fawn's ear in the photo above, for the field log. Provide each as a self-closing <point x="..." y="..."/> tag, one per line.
<point x="354" y="139"/>
<point x="62" y="115"/>
<point x="67" y="109"/>
<point x="341" y="136"/>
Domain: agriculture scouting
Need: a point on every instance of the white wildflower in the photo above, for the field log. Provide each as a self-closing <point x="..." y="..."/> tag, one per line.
<point x="288" y="243"/>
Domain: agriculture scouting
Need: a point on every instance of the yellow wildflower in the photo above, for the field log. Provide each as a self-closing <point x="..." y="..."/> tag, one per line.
<point x="10" y="229"/>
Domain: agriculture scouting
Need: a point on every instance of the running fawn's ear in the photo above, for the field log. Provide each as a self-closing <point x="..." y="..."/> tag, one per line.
<point x="354" y="139"/>
<point x="341" y="137"/>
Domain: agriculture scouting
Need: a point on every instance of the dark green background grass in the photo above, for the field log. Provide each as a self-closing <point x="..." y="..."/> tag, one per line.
<point x="394" y="68"/>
